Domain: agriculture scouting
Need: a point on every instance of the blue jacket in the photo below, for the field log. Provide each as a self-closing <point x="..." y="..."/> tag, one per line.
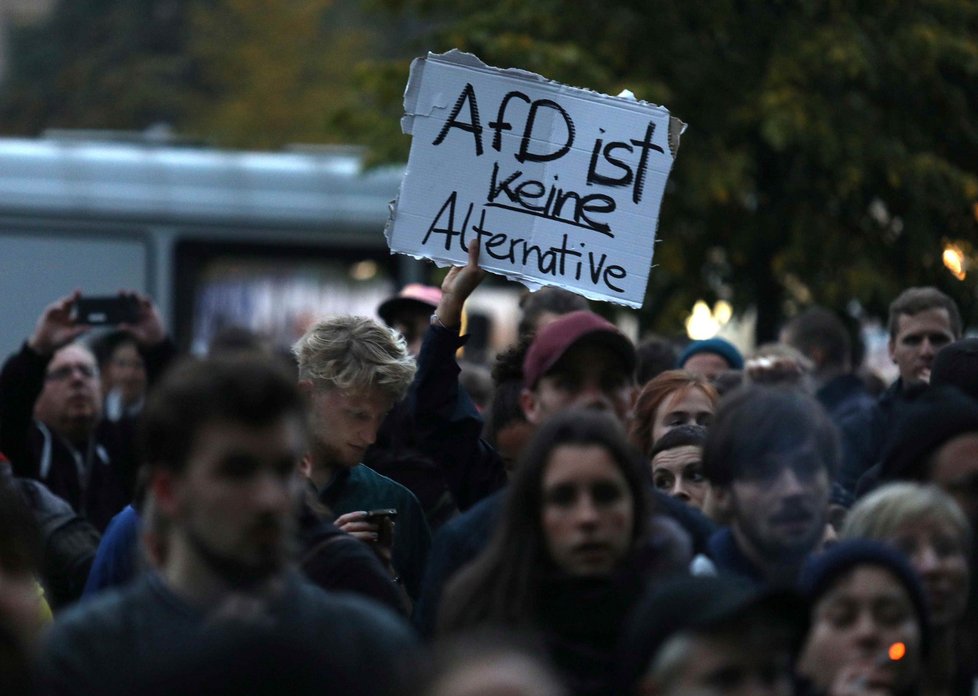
<point x="115" y="561"/>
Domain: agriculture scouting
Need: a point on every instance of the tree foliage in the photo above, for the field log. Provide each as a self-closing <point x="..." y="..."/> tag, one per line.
<point x="279" y="72"/>
<point x="240" y="73"/>
<point x="98" y="64"/>
<point x="831" y="148"/>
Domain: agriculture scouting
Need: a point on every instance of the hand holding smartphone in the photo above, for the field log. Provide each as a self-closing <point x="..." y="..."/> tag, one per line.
<point x="384" y="519"/>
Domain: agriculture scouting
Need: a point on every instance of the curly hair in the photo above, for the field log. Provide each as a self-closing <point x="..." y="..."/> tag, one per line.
<point x="355" y="353"/>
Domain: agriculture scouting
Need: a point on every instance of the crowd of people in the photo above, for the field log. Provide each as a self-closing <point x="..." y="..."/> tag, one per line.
<point x="368" y="514"/>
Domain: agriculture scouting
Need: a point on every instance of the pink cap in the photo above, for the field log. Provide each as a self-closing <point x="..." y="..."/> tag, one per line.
<point x="413" y="295"/>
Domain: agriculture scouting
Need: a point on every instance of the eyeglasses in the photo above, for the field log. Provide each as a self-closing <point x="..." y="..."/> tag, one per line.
<point x="65" y="372"/>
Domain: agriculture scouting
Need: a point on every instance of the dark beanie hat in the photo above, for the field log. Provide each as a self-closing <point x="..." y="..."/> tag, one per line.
<point x="725" y="349"/>
<point x="680" y="436"/>
<point x="939" y="414"/>
<point x="956" y="365"/>
<point x="696" y="603"/>
<point x="822" y="571"/>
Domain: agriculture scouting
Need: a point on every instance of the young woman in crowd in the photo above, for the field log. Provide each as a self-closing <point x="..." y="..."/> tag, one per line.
<point x="869" y="630"/>
<point x="929" y="528"/>
<point x="572" y="551"/>
<point x="673" y="398"/>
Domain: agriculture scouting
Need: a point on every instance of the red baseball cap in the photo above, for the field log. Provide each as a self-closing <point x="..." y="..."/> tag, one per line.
<point x="557" y="337"/>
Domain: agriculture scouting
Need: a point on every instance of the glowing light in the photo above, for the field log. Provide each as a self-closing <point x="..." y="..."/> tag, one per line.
<point x="364" y="270"/>
<point x="954" y="261"/>
<point x="897" y="651"/>
<point x="701" y="324"/>
<point x="722" y="312"/>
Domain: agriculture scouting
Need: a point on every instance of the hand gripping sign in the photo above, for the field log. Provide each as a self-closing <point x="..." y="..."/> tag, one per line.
<point x="560" y="185"/>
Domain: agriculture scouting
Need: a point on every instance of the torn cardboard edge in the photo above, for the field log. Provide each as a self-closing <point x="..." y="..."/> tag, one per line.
<point x="456" y="57"/>
<point x="427" y="101"/>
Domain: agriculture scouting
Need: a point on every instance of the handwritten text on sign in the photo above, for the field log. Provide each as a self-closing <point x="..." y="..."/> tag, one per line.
<point x="561" y="186"/>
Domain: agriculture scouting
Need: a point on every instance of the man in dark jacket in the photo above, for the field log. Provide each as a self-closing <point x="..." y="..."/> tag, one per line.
<point x="922" y="321"/>
<point x="225" y="613"/>
<point x="352" y="370"/>
<point x="770" y="456"/>
<point x="51" y="423"/>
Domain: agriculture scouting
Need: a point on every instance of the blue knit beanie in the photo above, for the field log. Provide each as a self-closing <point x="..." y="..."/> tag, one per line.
<point x="725" y="349"/>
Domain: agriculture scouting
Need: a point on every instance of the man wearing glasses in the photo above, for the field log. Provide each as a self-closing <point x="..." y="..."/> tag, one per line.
<point x="51" y="424"/>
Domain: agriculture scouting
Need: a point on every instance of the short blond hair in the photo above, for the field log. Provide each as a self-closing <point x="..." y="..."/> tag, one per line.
<point x="354" y="354"/>
<point x="881" y="513"/>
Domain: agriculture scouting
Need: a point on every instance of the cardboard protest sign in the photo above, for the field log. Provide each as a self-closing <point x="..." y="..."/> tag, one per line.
<point x="561" y="186"/>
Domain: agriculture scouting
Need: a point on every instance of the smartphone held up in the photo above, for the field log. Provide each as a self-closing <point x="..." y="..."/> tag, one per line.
<point x="105" y="310"/>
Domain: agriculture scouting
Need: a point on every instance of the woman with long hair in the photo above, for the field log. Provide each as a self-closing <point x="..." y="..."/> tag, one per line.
<point x="572" y="551"/>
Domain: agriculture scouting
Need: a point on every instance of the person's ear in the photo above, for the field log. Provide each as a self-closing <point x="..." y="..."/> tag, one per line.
<point x="305" y="465"/>
<point x="305" y="387"/>
<point x="531" y="406"/>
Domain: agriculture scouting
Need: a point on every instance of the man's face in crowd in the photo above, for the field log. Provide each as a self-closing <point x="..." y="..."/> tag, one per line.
<point x="778" y="504"/>
<point x="234" y="502"/>
<point x="588" y="375"/>
<point x="916" y="342"/>
<point x="706" y="364"/>
<point x="71" y="399"/>
<point x="344" y="423"/>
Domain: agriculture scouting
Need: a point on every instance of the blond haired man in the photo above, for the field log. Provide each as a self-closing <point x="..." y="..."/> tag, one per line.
<point x="352" y="370"/>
